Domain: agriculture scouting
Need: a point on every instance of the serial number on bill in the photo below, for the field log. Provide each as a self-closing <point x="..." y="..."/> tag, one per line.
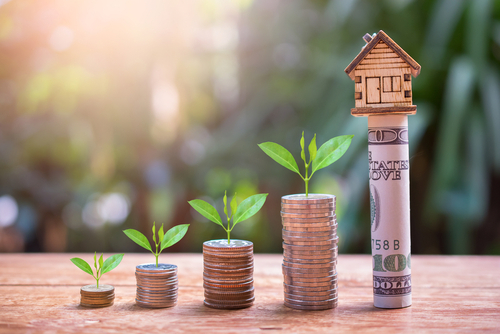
<point x="385" y="244"/>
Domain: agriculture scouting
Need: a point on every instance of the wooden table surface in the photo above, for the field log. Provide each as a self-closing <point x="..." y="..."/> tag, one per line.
<point x="40" y="293"/>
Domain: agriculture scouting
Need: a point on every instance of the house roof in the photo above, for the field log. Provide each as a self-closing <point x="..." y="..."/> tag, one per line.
<point x="382" y="36"/>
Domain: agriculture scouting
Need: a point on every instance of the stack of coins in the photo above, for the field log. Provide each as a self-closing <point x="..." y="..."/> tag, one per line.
<point x="228" y="274"/>
<point x="156" y="286"/>
<point x="309" y="251"/>
<point x="91" y="296"/>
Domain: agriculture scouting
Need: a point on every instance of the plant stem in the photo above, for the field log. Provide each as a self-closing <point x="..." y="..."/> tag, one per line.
<point x="228" y="238"/>
<point x="156" y="255"/>
<point x="97" y="282"/>
<point x="306" y="179"/>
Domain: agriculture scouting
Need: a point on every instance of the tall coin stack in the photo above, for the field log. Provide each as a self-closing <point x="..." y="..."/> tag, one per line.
<point x="228" y="274"/>
<point x="156" y="286"/>
<point x="92" y="296"/>
<point x="309" y="251"/>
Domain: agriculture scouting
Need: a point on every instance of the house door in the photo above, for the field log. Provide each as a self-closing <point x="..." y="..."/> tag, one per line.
<point x="372" y="90"/>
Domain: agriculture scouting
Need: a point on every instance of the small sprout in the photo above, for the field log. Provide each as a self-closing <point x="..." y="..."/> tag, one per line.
<point x="239" y="213"/>
<point x="101" y="267"/>
<point x="327" y="154"/>
<point x="165" y="240"/>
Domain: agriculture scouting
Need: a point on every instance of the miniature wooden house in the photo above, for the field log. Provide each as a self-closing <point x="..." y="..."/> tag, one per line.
<point x="382" y="74"/>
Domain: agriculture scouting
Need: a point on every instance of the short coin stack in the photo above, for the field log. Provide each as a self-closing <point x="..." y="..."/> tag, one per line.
<point x="91" y="296"/>
<point x="156" y="286"/>
<point x="309" y="251"/>
<point x="228" y="274"/>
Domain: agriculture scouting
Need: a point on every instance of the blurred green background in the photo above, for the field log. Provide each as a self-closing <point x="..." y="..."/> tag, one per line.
<point x="115" y="113"/>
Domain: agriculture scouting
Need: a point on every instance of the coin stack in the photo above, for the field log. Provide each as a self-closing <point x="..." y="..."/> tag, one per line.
<point x="156" y="286"/>
<point x="228" y="274"/>
<point x="309" y="251"/>
<point x="91" y="296"/>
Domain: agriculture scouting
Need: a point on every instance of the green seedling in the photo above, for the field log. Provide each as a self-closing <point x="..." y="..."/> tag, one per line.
<point x="239" y="213"/>
<point x="165" y="240"/>
<point x="100" y="267"/>
<point x="327" y="154"/>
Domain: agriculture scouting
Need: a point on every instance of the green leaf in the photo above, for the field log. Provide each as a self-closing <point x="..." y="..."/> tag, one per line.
<point x="173" y="235"/>
<point x="160" y="234"/>
<point x="95" y="260"/>
<point x="331" y="151"/>
<point x="312" y="149"/>
<point x="302" y="151"/>
<point x="101" y="261"/>
<point x="281" y="155"/>
<point x="234" y="205"/>
<point x="154" y="232"/>
<point x="225" y="203"/>
<point x="138" y="238"/>
<point x="249" y="207"/>
<point x="82" y="265"/>
<point x="111" y="263"/>
<point x="206" y="210"/>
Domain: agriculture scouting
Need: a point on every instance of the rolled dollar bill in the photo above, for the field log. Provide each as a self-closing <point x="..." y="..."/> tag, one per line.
<point x="390" y="210"/>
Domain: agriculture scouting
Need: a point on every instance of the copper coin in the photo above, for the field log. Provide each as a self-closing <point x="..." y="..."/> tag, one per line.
<point x="226" y="279"/>
<point x="311" y="308"/>
<point x="226" y="301"/>
<point x="308" y="229"/>
<point x="308" y="248"/>
<point x="97" y="298"/>
<point x="292" y="240"/>
<point x="226" y="306"/>
<point x="227" y="285"/>
<point x="152" y="268"/>
<point x="96" y="306"/>
<point x="329" y="243"/>
<point x="304" y="234"/>
<point x="293" y="226"/>
<point x="229" y="297"/>
<point x="310" y="216"/>
<point x="308" y="261"/>
<point x="310" y="199"/>
<point x="162" y="282"/>
<point x="214" y="256"/>
<point x="308" y="213"/>
<point x="228" y="269"/>
<point x="155" y="305"/>
<point x="228" y="264"/>
<point x="285" y="206"/>
<point x="324" y="254"/>
<point x="298" y="220"/>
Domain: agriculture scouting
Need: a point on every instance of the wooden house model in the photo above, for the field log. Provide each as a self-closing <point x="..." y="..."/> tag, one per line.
<point x="382" y="74"/>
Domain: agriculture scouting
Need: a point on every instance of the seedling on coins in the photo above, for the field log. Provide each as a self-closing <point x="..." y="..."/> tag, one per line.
<point x="327" y="154"/>
<point x="100" y="266"/>
<point x="239" y="213"/>
<point x="164" y="240"/>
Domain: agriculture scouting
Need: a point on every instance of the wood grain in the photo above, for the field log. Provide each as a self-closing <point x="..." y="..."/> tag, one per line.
<point x="450" y="294"/>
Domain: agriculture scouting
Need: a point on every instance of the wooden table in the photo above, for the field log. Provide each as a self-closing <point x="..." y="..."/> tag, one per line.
<point x="40" y="292"/>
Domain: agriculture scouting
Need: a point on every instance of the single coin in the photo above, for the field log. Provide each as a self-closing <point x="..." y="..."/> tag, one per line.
<point x="92" y="288"/>
<point x="310" y="199"/>
<point x="151" y="267"/>
<point x="311" y="308"/>
<point x="233" y="244"/>
<point x="155" y="305"/>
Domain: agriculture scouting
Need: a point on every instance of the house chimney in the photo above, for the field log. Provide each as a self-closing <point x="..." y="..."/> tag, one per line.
<point x="367" y="37"/>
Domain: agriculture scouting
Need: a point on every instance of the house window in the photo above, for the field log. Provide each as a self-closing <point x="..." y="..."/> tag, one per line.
<point x="407" y="77"/>
<point x="357" y="79"/>
<point x="391" y="84"/>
